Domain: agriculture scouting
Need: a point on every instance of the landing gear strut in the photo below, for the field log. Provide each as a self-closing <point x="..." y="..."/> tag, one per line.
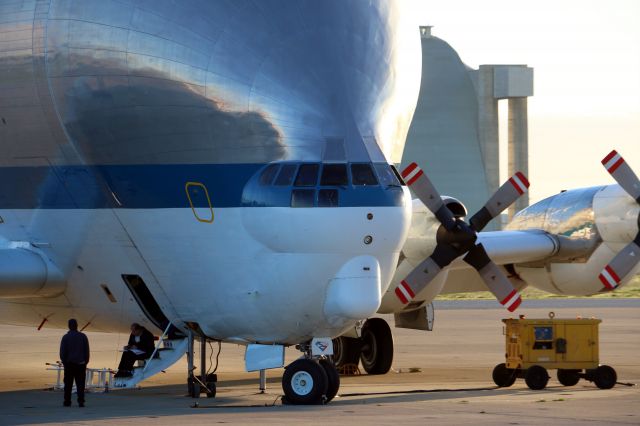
<point x="205" y="383"/>
<point x="374" y="348"/>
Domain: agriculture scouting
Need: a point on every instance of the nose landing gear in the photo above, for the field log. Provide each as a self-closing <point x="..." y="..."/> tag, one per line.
<point x="305" y="382"/>
<point x="310" y="381"/>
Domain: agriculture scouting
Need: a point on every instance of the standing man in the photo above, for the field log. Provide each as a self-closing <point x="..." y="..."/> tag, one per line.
<point x="74" y="354"/>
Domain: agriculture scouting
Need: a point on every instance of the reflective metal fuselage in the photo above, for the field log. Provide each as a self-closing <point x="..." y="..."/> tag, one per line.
<point x="133" y="134"/>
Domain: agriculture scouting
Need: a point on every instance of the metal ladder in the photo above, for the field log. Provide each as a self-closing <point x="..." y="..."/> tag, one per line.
<point x="166" y="353"/>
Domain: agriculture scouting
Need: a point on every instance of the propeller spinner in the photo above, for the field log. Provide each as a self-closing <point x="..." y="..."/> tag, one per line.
<point x="456" y="238"/>
<point x="628" y="257"/>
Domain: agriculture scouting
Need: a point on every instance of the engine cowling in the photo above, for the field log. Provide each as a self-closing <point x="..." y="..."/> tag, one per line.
<point x="419" y="244"/>
<point x="592" y="225"/>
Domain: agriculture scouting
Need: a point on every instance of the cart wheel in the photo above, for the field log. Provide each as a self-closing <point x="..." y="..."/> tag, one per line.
<point x="568" y="377"/>
<point x="536" y="377"/>
<point x="503" y="376"/>
<point x="605" y="377"/>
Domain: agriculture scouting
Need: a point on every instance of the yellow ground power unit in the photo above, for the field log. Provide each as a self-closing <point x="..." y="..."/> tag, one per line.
<point x="534" y="346"/>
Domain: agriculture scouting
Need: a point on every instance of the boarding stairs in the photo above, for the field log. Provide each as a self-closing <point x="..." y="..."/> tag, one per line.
<point x="167" y="352"/>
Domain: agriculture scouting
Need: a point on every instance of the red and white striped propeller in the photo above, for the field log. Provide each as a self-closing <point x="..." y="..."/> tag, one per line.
<point x="457" y="238"/>
<point x="629" y="256"/>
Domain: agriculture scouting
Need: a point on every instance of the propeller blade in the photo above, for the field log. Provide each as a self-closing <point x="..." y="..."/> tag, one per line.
<point x="621" y="264"/>
<point x="422" y="275"/>
<point x="494" y="278"/>
<point x="506" y="195"/>
<point x="428" y="194"/>
<point x="425" y="272"/>
<point x="622" y="173"/>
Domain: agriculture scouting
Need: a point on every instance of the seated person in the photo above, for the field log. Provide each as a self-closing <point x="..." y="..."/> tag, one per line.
<point x="140" y="346"/>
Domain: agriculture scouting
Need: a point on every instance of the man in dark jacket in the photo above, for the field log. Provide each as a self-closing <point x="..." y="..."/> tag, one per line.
<point x="140" y="346"/>
<point x="74" y="354"/>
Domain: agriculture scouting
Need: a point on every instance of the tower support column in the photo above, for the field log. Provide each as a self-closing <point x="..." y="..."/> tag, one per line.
<point x="518" y="148"/>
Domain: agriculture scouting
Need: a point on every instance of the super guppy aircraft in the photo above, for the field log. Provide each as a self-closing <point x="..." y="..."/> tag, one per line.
<point x="223" y="169"/>
<point x="219" y="165"/>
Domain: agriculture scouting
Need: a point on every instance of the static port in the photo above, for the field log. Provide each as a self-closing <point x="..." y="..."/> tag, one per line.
<point x="369" y="216"/>
<point x="368" y="239"/>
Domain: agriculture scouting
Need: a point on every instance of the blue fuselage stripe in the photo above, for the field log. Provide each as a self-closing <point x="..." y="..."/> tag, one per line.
<point x="154" y="186"/>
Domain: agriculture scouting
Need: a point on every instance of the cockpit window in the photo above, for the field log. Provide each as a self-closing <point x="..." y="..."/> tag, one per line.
<point x="395" y="172"/>
<point x="302" y="197"/>
<point x="386" y="175"/>
<point x="307" y="175"/>
<point x="319" y="184"/>
<point x="362" y="174"/>
<point x="285" y="178"/>
<point x="268" y="174"/>
<point x="334" y="175"/>
<point x="328" y="198"/>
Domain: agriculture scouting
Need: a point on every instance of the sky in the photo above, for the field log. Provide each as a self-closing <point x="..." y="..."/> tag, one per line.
<point x="586" y="60"/>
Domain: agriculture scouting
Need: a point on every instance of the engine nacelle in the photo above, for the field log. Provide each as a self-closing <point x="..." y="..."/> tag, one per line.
<point x="591" y="225"/>
<point x="419" y="245"/>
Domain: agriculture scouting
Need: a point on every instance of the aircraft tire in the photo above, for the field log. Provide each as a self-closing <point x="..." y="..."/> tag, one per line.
<point x="377" y="346"/>
<point x="212" y="390"/>
<point x="333" y="384"/>
<point x="346" y="350"/>
<point x="305" y="382"/>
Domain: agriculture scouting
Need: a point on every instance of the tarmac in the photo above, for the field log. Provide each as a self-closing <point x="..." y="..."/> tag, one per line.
<point x="438" y="377"/>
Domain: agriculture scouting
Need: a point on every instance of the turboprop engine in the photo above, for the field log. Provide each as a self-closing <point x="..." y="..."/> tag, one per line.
<point x="597" y="232"/>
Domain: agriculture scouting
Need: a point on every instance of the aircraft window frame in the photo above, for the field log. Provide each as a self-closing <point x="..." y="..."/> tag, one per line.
<point x="363" y="180"/>
<point x="283" y="179"/>
<point x="386" y="176"/>
<point x="303" y="197"/>
<point x="398" y="175"/>
<point x="334" y="179"/>
<point x="328" y="197"/>
<point x="307" y="175"/>
<point x="269" y="174"/>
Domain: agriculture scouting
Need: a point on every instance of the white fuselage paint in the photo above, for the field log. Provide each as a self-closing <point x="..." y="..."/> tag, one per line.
<point x="252" y="275"/>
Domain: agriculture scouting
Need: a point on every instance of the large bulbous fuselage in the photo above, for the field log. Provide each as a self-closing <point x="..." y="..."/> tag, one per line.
<point x="156" y="120"/>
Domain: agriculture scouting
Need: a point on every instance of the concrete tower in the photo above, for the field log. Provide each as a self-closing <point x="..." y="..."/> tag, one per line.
<point x="454" y="134"/>
<point x="514" y="83"/>
<point x="443" y="137"/>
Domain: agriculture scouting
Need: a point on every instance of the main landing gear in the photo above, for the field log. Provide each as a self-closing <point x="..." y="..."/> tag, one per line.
<point x="374" y="348"/>
<point x="205" y="383"/>
<point x="309" y="381"/>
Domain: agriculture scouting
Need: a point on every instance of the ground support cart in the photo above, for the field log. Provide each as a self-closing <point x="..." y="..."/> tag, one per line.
<point x="534" y="346"/>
